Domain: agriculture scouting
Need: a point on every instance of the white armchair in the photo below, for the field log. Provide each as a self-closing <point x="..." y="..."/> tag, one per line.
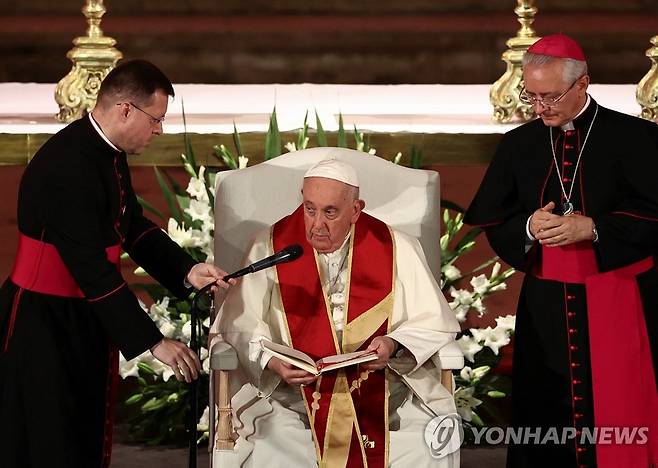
<point x="251" y="199"/>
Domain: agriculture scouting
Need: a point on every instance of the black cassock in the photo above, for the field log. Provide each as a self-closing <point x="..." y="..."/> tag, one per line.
<point x="617" y="185"/>
<point x="58" y="346"/>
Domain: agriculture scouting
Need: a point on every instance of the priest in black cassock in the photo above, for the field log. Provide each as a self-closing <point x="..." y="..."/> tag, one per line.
<point x="571" y="199"/>
<point x="65" y="311"/>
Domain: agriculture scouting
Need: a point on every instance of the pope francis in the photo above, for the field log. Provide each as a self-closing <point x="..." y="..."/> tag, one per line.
<point x="359" y="285"/>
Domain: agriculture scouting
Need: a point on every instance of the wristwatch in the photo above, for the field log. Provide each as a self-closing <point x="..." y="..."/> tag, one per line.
<point x="596" y="234"/>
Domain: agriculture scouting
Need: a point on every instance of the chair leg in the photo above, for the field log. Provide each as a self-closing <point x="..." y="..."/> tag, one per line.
<point x="224" y="440"/>
<point x="446" y="379"/>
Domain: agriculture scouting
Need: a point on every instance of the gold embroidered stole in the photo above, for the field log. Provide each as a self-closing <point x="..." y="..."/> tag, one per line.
<point x="348" y="408"/>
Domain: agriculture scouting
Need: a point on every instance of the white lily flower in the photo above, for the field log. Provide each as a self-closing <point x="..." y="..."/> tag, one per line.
<point x="465" y="402"/>
<point x="242" y="162"/>
<point x="129" y="368"/>
<point x="204" y="421"/>
<point x="507" y="323"/>
<point x="197" y="186"/>
<point x="460" y="310"/>
<point x="466" y="373"/>
<point x="373" y="151"/>
<point x="462" y="295"/>
<point x="159" y="310"/>
<point x="168" y="329"/>
<point x="199" y="210"/>
<point x="179" y="234"/>
<point x="495" y="270"/>
<point x="493" y="338"/>
<point x="451" y="272"/>
<point x="290" y="146"/>
<point x="186" y="332"/>
<point x="479" y="306"/>
<point x="480" y="284"/>
<point x="469" y="347"/>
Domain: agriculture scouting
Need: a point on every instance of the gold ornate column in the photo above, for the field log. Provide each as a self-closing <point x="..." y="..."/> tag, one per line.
<point x="647" y="89"/>
<point x="504" y="94"/>
<point x="93" y="57"/>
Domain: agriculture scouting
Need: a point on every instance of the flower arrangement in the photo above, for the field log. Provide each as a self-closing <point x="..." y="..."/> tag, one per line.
<point x="160" y="402"/>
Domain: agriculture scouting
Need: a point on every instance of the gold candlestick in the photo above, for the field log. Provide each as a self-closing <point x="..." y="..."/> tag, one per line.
<point x="647" y="89"/>
<point x="93" y="57"/>
<point x="504" y="94"/>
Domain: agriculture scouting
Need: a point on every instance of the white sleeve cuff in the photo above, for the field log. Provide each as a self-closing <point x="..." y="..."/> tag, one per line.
<point x="527" y="229"/>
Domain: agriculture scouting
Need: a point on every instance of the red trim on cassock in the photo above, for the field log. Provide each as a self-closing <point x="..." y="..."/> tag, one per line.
<point x="39" y="268"/>
<point x="110" y="399"/>
<point x="154" y="228"/>
<point x="633" y="215"/>
<point x="12" y="319"/>
<point x="96" y="299"/>
<point x="623" y="381"/>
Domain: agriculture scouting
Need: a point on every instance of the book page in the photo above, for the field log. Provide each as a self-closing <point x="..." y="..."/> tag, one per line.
<point x="290" y="355"/>
<point x="343" y="360"/>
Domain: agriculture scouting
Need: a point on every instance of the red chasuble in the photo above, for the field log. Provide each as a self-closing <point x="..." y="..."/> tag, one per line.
<point x="348" y="408"/>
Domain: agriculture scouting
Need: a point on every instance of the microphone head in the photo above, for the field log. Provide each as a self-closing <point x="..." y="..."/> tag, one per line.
<point x="290" y="253"/>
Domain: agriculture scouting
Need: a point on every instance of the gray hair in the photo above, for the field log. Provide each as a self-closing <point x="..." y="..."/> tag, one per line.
<point x="572" y="70"/>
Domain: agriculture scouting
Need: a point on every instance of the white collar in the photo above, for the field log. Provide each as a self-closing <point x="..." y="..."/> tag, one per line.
<point x="569" y="125"/>
<point x="100" y="132"/>
<point x="339" y="250"/>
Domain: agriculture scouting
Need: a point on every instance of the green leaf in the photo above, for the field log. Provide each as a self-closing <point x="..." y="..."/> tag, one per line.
<point x="183" y="202"/>
<point x="484" y="265"/>
<point x="416" y="157"/>
<point x="273" y="138"/>
<point x="224" y="155"/>
<point x="174" y="184"/>
<point x="236" y="140"/>
<point x="168" y="195"/>
<point x="468" y="238"/>
<point x="148" y="207"/>
<point x="301" y="137"/>
<point x="342" y="138"/>
<point x="189" y="151"/>
<point x="358" y="139"/>
<point x="322" y="136"/>
<point x="136" y="398"/>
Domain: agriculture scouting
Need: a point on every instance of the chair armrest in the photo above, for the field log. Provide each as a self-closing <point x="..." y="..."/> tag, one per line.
<point x="223" y="357"/>
<point x="450" y="356"/>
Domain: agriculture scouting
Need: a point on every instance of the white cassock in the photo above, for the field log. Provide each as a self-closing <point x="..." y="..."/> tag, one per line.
<point x="269" y="415"/>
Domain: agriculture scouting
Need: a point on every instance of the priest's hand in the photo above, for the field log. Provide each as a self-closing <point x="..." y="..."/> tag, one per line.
<point x="203" y="274"/>
<point x="289" y="373"/>
<point x="182" y="360"/>
<point x="384" y="346"/>
<point x="541" y="216"/>
<point x="565" y="230"/>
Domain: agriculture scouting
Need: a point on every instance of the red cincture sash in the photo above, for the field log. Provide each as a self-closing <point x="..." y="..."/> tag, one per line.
<point x="349" y="405"/>
<point x="623" y="381"/>
<point x="39" y="268"/>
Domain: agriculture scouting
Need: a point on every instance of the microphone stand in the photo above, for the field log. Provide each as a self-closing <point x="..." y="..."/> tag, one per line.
<point x="195" y="323"/>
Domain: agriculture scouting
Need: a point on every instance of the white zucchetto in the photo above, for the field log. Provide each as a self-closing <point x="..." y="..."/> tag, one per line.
<point x="334" y="169"/>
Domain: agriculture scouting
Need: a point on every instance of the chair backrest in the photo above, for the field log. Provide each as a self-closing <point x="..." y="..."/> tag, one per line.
<point x="251" y="199"/>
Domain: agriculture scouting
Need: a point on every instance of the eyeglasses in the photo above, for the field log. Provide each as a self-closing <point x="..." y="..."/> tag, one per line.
<point x="544" y="102"/>
<point x="154" y="120"/>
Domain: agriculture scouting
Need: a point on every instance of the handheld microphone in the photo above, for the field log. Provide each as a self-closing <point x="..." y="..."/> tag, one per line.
<point x="288" y="254"/>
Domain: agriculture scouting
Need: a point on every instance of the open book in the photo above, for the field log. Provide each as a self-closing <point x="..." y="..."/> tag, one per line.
<point x="304" y="361"/>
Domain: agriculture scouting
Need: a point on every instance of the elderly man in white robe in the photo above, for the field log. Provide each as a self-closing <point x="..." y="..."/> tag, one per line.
<point x="359" y="285"/>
